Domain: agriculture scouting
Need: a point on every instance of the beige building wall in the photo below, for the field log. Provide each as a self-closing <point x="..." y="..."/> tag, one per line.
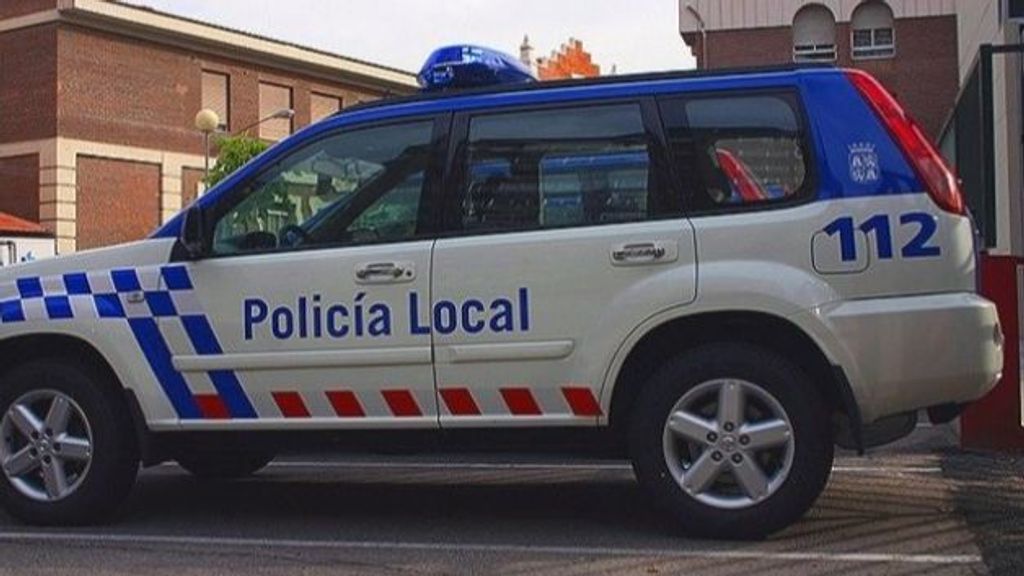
<point x="745" y="14"/>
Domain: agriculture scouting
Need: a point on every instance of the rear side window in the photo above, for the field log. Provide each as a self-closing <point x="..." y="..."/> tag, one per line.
<point x="555" y="168"/>
<point x="746" y="150"/>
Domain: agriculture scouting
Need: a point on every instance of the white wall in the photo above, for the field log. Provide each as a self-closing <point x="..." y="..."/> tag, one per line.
<point x="25" y="248"/>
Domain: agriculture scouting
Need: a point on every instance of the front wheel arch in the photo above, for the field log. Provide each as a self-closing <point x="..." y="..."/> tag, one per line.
<point x="20" y="350"/>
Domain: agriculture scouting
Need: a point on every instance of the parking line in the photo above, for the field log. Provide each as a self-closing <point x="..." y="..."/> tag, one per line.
<point x="263" y="543"/>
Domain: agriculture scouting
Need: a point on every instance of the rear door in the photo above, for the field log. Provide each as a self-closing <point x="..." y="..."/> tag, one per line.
<point x="561" y="235"/>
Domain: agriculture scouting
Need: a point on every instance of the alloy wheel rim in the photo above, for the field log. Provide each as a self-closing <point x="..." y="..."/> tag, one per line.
<point x="45" y="445"/>
<point x="729" y="443"/>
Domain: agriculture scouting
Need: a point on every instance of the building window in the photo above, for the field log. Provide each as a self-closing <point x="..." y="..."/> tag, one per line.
<point x="273" y="99"/>
<point x="321" y="106"/>
<point x="814" y="34"/>
<point x="873" y="32"/>
<point x="217" y="96"/>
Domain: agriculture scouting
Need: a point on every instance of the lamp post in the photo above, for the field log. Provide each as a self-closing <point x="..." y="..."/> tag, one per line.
<point x="207" y="122"/>
<point x="282" y="114"/>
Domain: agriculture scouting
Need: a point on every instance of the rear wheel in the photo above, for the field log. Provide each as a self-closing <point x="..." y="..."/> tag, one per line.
<point x="67" y="446"/>
<point x="732" y="441"/>
<point x="224" y="465"/>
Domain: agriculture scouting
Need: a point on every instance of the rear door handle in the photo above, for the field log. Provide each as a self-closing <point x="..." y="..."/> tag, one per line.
<point x="636" y="253"/>
<point x="385" y="272"/>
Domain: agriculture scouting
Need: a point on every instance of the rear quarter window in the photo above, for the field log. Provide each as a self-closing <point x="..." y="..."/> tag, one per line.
<point x="742" y="151"/>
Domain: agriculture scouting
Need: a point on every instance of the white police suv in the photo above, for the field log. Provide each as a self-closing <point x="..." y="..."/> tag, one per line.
<point x="721" y="275"/>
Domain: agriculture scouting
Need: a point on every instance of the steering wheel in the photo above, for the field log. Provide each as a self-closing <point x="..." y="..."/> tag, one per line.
<point x="292" y="235"/>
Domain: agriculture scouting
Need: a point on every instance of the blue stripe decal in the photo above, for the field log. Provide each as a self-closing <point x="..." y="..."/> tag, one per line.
<point x="225" y="381"/>
<point x="176" y="278"/>
<point x="157" y="353"/>
<point x="11" y="311"/>
<point x="58" y="307"/>
<point x="154" y="307"/>
<point x="109" y="306"/>
<point x="160" y="304"/>
<point x="77" y="284"/>
<point x="126" y="280"/>
<point x="230" y="390"/>
<point x="30" y="288"/>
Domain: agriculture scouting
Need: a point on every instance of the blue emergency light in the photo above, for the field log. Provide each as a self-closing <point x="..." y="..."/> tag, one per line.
<point x="463" y="66"/>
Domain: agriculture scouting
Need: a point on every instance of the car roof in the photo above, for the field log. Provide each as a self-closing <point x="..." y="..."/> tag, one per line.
<point x="538" y="92"/>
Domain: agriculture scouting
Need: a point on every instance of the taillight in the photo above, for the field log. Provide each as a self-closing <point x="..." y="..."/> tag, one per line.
<point x="939" y="179"/>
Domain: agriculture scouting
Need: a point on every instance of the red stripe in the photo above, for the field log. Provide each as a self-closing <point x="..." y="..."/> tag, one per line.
<point x="582" y="401"/>
<point x="345" y="404"/>
<point x="460" y="402"/>
<point x="520" y="401"/>
<point x="402" y="403"/>
<point x="212" y="407"/>
<point x="290" y="404"/>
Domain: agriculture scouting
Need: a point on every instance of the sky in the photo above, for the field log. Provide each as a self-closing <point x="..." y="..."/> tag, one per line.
<point x="633" y="35"/>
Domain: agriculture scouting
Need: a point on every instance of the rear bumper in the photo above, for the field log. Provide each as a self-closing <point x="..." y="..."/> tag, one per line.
<point x="903" y="354"/>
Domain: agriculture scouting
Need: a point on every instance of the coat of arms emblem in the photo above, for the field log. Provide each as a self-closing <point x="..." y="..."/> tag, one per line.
<point x="864" y="167"/>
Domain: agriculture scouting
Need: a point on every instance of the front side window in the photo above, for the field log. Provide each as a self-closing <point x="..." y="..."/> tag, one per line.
<point x="555" y="168"/>
<point x="747" y="150"/>
<point x="360" y="186"/>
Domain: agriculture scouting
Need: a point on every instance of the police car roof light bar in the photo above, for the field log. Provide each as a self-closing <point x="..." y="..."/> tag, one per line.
<point x="942" y="183"/>
<point x="465" y="66"/>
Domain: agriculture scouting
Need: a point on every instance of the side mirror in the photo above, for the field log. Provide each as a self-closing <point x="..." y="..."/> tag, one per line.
<point x="192" y="235"/>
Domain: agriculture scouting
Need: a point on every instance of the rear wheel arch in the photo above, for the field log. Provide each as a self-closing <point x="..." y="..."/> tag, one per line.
<point x="673" y="337"/>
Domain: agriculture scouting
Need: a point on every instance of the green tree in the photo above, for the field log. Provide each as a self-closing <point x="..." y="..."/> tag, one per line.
<point x="271" y="200"/>
<point x="233" y="153"/>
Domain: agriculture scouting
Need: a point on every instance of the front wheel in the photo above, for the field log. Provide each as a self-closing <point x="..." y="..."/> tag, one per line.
<point x="731" y="441"/>
<point x="67" y="446"/>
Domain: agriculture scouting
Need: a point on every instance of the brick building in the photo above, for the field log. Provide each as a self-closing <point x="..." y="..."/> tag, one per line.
<point x="571" y="60"/>
<point x="910" y="45"/>
<point x="97" y="138"/>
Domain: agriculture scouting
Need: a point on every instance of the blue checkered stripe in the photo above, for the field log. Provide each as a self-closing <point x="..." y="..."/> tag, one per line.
<point x="140" y="297"/>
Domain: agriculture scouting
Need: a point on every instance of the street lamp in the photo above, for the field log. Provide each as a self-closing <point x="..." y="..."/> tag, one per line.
<point x="282" y="114"/>
<point x="207" y="122"/>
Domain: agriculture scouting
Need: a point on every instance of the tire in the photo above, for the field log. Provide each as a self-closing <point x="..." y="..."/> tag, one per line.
<point x="94" y="448"/>
<point x="224" y="465"/>
<point x="702" y="472"/>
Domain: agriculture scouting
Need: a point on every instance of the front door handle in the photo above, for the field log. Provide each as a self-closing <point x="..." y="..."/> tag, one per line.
<point x="385" y="272"/>
<point x="639" y="253"/>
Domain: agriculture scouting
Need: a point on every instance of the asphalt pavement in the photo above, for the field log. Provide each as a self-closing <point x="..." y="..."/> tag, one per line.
<point x="921" y="506"/>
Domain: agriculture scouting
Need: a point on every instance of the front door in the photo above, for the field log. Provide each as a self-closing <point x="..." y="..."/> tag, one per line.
<point x="299" y="315"/>
<point x="562" y="238"/>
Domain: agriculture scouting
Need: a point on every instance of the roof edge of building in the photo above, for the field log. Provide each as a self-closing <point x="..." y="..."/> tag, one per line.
<point x="11" y="225"/>
<point x="122" y="17"/>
